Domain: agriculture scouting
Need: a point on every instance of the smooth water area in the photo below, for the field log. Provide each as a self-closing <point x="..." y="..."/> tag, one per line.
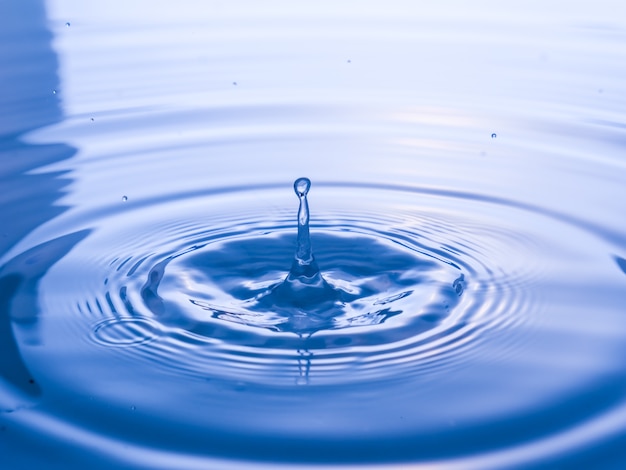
<point x="446" y="288"/>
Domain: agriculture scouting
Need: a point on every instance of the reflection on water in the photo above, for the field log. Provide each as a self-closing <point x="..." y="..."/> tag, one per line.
<point x="12" y="367"/>
<point x="464" y="307"/>
<point x="621" y="262"/>
<point x="27" y="200"/>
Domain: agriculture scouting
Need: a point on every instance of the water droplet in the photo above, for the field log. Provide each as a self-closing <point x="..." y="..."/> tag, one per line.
<point x="54" y="92"/>
<point x="305" y="300"/>
<point x="124" y="198"/>
<point x="304" y="286"/>
<point x="301" y="186"/>
<point x="304" y="254"/>
<point x="92" y="119"/>
<point x="67" y="25"/>
<point x="494" y="135"/>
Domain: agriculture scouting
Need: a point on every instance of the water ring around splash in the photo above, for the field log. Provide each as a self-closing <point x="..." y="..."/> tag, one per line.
<point x="214" y="288"/>
<point x="367" y="284"/>
<point x="398" y="309"/>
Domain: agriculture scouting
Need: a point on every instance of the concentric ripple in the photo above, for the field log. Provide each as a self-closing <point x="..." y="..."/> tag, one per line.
<point x="410" y="290"/>
<point x="424" y="303"/>
<point x="125" y="331"/>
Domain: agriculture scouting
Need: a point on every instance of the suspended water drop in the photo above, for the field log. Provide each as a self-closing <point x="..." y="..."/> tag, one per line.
<point x="301" y="186"/>
<point x="304" y="285"/>
<point x="304" y="261"/>
<point x="124" y="198"/>
<point x="494" y="135"/>
<point x="304" y="267"/>
<point x="92" y="119"/>
<point x="54" y="92"/>
<point x="67" y="25"/>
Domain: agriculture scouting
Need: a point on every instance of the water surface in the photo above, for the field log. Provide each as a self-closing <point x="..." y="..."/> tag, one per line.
<point x="466" y="217"/>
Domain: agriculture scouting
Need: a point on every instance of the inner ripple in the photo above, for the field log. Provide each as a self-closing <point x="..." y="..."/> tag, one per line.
<point x="234" y="281"/>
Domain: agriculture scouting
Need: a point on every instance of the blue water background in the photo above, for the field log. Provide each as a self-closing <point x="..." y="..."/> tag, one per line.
<point x="147" y="155"/>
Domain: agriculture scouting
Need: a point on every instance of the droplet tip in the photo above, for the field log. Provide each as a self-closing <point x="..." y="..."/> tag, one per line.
<point x="301" y="186"/>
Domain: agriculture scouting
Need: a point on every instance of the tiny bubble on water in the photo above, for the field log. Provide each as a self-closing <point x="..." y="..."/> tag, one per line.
<point x="494" y="135"/>
<point x="67" y="25"/>
<point x="124" y="198"/>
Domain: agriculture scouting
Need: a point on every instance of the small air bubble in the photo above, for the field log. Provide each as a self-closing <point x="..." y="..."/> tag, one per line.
<point x="124" y="198"/>
<point x="494" y="135"/>
<point x="67" y="25"/>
